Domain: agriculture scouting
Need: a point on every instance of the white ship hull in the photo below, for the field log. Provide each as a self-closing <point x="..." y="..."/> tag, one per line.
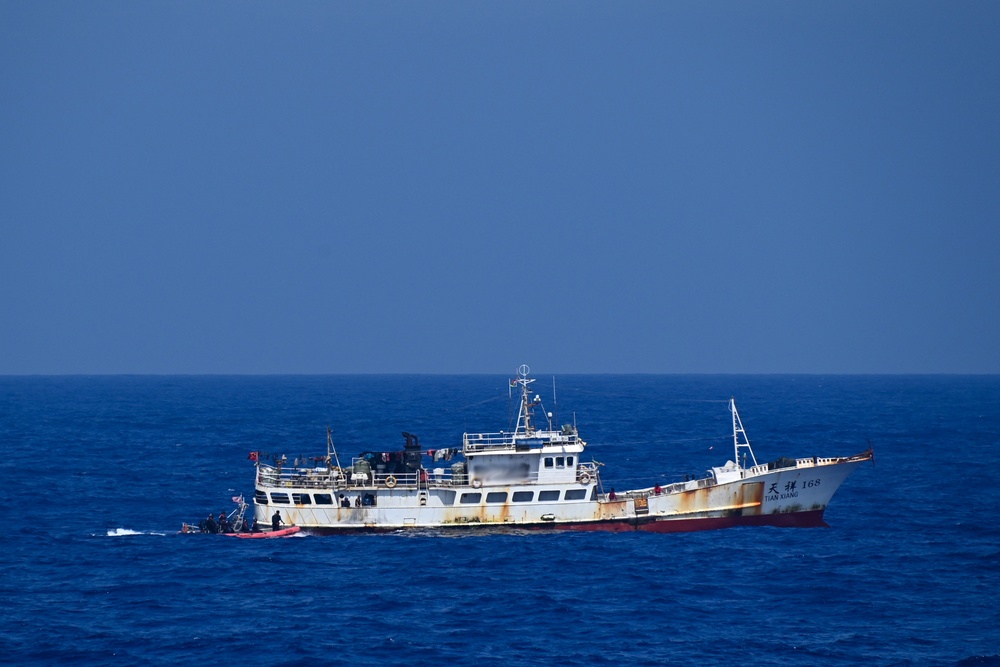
<point x="794" y="496"/>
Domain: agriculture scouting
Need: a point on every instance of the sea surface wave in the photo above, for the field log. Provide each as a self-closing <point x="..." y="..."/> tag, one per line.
<point x="102" y="471"/>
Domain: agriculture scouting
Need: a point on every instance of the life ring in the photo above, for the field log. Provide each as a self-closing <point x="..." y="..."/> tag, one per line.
<point x="584" y="478"/>
<point x="390" y="481"/>
<point x="477" y="483"/>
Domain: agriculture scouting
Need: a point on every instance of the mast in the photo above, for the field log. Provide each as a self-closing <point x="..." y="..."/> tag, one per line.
<point x="524" y="413"/>
<point x="737" y="432"/>
<point x="330" y="448"/>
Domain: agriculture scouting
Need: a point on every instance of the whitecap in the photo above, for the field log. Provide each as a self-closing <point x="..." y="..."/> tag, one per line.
<point x="122" y="532"/>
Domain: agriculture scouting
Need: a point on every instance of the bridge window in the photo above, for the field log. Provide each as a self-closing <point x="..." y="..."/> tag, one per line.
<point x="279" y="498"/>
<point x="523" y="496"/>
<point x="548" y="461"/>
<point x="323" y="499"/>
<point x="576" y="494"/>
<point x="548" y="495"/>
<point x="260" y="498"/>
<point x="496" y="497"/>
<point x="560" y="462"/>
<point x="470" y="498"/>
<point x="569" y="461"/>
<point x="301" y="499"/>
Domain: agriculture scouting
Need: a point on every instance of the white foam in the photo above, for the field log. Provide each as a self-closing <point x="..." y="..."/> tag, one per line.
<point x="121" y="532"/>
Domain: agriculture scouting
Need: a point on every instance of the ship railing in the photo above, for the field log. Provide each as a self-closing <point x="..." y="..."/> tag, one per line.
<point x="420" y="479"/>
<point x="815" y="461"/>
<point x="297" y="477"/>
<point x="811" y="462"/>
<point x="667" y="489"/>
<point x="478" y="442"/>
<point x="502" y="441"/>
<point x="338" y="479"/>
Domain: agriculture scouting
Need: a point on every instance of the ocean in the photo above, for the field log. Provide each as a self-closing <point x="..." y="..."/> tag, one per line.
<point x="100" y="472"/>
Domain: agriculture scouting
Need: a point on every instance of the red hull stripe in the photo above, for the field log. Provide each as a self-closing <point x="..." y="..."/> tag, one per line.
<point x="284" y="532"/>
<point x="811" y="519"/>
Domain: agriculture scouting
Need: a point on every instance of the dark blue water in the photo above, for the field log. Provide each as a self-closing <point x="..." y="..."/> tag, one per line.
<point x="99" y="473"/>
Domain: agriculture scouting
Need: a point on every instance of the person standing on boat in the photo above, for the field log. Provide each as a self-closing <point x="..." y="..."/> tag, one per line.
<point x="210" y="525"/>
<point x="276" y="520"/>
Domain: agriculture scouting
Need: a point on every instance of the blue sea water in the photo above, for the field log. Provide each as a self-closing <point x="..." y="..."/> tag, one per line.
<point x="101" y="471"/>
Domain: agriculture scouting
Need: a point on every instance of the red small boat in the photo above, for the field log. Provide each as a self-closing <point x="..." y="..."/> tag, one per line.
<point x="284" y="532"/>
<point x="236" y="518"/>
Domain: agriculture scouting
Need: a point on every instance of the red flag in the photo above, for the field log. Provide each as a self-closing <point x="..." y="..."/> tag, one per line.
<point x="253" y="456"/>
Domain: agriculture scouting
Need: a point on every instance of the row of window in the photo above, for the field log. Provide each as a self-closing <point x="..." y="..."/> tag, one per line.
<point x="472" y="498"/>
<point x="297" y="498"/>
<point x="558" y="462"/>
<point x="521" y="496"/>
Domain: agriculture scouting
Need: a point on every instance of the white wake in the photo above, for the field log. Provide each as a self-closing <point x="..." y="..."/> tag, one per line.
<point x="123" y="532"/>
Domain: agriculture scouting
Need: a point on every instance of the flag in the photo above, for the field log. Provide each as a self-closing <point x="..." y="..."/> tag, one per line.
<point x="238" y="500"/>
<point x="253" y="456"/>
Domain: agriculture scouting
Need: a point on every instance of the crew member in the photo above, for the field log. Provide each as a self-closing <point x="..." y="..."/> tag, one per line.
<point x="276" y="520"/>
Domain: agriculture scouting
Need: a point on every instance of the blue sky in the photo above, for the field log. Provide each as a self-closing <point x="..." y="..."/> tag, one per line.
<point x="461" y="187"/>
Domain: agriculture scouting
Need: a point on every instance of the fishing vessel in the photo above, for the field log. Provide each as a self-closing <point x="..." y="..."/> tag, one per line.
<point x="534" y="477"/>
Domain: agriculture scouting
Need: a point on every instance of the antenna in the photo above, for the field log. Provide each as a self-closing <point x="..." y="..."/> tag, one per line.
<point x="555" y="404"/>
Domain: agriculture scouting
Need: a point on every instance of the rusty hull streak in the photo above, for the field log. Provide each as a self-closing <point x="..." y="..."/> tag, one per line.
<point x="752" y="497"/>
<point x="745" y="502"/>
<point x="613" y="509"/>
